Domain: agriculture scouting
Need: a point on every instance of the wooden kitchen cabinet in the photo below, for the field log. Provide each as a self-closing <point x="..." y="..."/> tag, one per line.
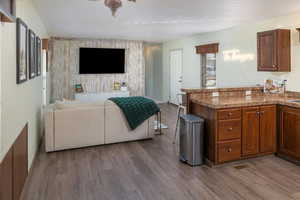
<point x="267" y="142"/>
<point x="274" y="50"/>
<point x="229" y="150"/>
<point x="228" y="135"/>
<point x="289" y="134"/>
<point x="250" y="133"/>
<point x="237" y="133"/>
<point x="259" y="130"/>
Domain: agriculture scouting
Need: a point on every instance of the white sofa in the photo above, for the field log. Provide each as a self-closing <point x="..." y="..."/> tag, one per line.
<point x="76" y="125"/>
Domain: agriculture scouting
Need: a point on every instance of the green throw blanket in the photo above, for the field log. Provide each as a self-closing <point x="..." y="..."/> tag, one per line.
<point x="136" y="109"/>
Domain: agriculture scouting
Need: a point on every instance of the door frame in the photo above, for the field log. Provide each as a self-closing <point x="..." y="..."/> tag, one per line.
<point x="170" y="81"/>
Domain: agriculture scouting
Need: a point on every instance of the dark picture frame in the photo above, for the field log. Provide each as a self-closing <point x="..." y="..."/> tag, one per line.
<point x="32" y="54"/>
<point x="38" y="56"/>
<point x="22" y="62"/>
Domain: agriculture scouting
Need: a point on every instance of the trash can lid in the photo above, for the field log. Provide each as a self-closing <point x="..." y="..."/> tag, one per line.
<point x="192" y="118"/>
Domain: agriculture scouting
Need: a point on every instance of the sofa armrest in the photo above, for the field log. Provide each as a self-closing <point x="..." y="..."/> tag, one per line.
<point x="49" y="129"/>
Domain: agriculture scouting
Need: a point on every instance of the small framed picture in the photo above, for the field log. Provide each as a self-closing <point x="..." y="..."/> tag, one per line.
<point x="78" y="88"/>
<point x="32" y="54"/>
<point x="38" y="56"/>
<point x="21" y="51"/>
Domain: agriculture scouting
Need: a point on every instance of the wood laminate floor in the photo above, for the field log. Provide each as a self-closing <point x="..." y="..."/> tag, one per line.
<point x="150" y="170"/>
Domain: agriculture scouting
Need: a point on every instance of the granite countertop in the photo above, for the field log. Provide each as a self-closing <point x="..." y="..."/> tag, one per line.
<point x="229" y="89"/>
<point x="240" y="101"/>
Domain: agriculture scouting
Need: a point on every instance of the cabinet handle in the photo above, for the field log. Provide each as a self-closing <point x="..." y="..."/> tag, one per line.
<point x="262" y="112"/>
<point x="229" y="114"/>
<point x="229" y="150"/>
<point x="257" y="113"/>
<point x="230" y="129"/>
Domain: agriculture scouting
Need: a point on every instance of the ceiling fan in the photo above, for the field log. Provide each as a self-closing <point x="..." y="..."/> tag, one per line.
<point x="114" y="5"/>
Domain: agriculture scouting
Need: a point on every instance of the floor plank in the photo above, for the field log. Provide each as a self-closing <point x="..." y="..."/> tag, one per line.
<point x="151" y="170"/>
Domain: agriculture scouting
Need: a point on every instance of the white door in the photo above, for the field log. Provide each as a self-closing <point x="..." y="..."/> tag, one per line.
<point x="176" y="75"/>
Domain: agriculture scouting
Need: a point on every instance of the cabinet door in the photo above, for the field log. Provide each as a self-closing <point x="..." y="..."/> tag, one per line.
<point x="267" y="129"/>
<point x="250" y="133"/>
<point x="290" y="132"/>
<point x="266" y="51"/>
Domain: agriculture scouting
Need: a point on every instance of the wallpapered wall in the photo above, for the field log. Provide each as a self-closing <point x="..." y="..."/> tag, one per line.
<point x="64" y="67"/>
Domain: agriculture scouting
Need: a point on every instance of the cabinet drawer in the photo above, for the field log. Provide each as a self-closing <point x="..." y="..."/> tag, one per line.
<point x="228" y="151"/>
<point x="229" y="129"/>
<point x="229" y="114"/>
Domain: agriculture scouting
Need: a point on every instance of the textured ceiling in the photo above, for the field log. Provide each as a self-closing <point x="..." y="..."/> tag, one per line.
<point x="154" y="20"/>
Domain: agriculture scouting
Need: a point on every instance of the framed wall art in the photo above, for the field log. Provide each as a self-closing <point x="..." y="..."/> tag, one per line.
<point x="32" y="54"/>
<point x="22" y="31"/>
<point x="38" y="56"/>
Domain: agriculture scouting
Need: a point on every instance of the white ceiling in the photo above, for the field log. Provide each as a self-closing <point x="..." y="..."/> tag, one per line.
<point x="154" y="20"/>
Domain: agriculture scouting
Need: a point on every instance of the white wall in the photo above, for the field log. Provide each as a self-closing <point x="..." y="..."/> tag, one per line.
<point x="21" y="104"/>
<point x="231" y="73"/>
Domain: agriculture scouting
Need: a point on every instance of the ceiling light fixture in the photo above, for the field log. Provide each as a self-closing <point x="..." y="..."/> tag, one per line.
<point x="114" y="5"/>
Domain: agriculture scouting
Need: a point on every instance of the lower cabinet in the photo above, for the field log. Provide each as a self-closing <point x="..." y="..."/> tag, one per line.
<point x="229" y="150"/>
<point x="14" y="168"/>
<point x="250" y="131"/>
<point x="289" y="134"/>
<point x="228" y="135"/>
<point x="259" y="130"/>
<point x="236" y="133"/>
<point x="268" y="129"/>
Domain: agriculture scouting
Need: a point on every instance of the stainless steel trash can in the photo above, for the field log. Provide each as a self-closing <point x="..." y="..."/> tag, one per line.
<point x="191" y="139"/>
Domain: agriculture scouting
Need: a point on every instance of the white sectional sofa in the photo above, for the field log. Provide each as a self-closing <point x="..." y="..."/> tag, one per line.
<point x="75" y="125"/>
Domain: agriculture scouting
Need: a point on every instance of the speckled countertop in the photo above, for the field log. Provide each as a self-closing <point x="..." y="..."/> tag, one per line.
<point x="229" y="89"/>
<point x="241" y="101"/>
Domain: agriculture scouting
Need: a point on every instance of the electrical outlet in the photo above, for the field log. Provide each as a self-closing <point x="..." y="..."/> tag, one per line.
<point x="248" y="92"/>
<point x="215" y="94"/>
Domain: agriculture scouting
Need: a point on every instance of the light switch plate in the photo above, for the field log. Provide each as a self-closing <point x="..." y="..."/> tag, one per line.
<point x="215" y="94"/>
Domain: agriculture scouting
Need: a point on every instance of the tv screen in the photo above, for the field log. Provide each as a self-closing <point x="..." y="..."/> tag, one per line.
<point x="101" y="61"/>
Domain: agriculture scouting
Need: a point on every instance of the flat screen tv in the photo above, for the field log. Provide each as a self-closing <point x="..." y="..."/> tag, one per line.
<point x="101" y="61"/>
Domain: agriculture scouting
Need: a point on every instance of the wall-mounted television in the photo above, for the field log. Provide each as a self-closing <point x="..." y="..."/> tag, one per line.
<point x="101" y="61"/>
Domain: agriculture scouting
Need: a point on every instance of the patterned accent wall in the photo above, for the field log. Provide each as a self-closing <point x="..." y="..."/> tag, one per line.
<point x="64" y="67"/>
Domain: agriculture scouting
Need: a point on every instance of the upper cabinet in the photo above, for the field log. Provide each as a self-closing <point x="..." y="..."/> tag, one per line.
<point x="274" y="50"/>
<point x="7" y="10"/>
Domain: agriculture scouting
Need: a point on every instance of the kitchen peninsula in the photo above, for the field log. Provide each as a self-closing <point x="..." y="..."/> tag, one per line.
<point x="241" y="123"/>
